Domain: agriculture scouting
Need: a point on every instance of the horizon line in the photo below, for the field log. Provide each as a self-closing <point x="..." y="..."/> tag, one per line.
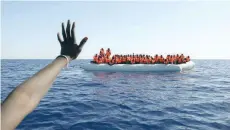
<point x="91" y="59"/>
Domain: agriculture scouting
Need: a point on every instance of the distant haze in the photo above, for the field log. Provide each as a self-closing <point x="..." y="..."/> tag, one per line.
<point x="198" y="29"/>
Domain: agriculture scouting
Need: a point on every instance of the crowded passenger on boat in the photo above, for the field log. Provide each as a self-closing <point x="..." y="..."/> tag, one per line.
<point x="104" y="57"/>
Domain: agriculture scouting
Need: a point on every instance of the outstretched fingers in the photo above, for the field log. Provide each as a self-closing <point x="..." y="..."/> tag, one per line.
<point x="68" y="29"/>
<point x="73" y="32"/>
<point x="59" y="38"/>
<point x="82" y="43"/>
<point x="63" y="32"/>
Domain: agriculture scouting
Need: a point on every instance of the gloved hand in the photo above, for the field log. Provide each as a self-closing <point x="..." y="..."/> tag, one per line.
<point x="69" y="47"/>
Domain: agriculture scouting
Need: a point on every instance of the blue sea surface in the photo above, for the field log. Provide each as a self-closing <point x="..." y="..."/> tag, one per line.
<point x="79" y="100"/>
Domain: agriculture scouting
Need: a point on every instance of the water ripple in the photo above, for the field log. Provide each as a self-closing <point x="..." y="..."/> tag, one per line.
<point x="197" y="99"/>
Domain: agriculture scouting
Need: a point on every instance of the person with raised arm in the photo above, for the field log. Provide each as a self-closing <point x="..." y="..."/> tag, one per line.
<point x="25" y="97"/>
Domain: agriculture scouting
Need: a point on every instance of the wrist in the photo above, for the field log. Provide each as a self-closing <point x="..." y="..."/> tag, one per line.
<point x="69" y="58"/>
<point x="64" y="58"/>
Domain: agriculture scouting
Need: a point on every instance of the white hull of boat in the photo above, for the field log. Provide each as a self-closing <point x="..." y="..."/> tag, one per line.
<point x="139" y="67"/>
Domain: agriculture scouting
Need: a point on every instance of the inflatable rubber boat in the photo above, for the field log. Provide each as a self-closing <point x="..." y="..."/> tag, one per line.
<point x="138" y="67"/>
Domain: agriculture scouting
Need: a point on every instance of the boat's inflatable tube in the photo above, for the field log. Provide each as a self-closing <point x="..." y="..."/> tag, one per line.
<point x="139" y="67"/>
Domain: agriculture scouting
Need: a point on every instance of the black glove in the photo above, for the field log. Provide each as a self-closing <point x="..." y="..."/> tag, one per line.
<point x="69" y="46"/>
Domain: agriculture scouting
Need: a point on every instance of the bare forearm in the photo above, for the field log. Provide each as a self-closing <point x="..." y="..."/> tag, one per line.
<point x="38" y="85"/>
<point x="28" y="94"/>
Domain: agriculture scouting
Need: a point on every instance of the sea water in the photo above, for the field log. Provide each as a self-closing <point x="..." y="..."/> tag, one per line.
<point x="78" y="99"/>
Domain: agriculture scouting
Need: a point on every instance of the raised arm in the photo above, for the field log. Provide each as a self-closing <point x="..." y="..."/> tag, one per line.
<point x="25" y="97"/>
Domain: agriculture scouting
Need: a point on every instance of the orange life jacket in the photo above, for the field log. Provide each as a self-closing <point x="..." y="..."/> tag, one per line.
<point x="107" y="60"/>
<point x="156" y="58"/>
<point x="133" y="60"/>
<point x="117" y="61"/>
<point x="113" y="61"/>
<point x="123" y="59"/>
<point x="142" y="60"/>
<point x="102" y="52"/>
<point x="187" y="59"/>
<point x="137" y="60"/>
<point x="99" y="61"/>
<point x="147" y="60"/>
<point x="166" y="61"/>
<point x="172" y="60"/>
<point x="108" y="53"/>
<point x="159" y="59"/>
<point x="179" y="60"/>
<point x="95" y="58"/>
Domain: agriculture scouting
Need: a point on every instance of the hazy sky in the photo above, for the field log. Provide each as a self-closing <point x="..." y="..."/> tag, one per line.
<point x="198" y="29"/>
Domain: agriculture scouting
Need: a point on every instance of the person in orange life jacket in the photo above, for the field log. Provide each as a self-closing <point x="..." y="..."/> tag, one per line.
<point x="151" y="60"/>
<point x="142" y="59"/>
<point x="132" y="60"/>
<point x="116" y="59"/>
<point x="128" y="61"/>
<point x="102" y="53"/>
<point x="161" y="60"/>
<point x="146" y="60"/>
<point x="174" y="59"/>
<point x="187" y="59"/>
<point x="107" y="60"/>
<point x="113" y="59"/>
<point x="156" y="59"/>
<point x="171" y="59"/>
<point x="100" y="60"/>
<point x="95" y="58"/>
<point x="166" y="61"/>
<point x="179" y="60"/>
<point x="137" y="59"/>
<point x="123" y="59"/>
<point x="182" y="56"/>
<point x="108" y="52"/>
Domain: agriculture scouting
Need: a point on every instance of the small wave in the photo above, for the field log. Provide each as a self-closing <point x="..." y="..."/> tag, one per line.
<point x="93" y="126"/>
